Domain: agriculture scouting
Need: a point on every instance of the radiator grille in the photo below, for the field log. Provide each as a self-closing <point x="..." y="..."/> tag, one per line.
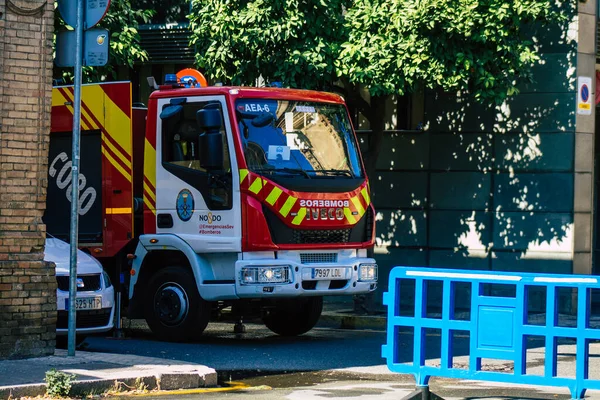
<point x="91" y="283"/>
<point x="321" y="236"/>
<point x="85" y="318"/>
<point x="318" y="258"/>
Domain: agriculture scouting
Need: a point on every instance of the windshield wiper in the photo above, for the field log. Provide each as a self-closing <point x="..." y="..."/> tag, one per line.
<point x="294" y="171"/>
<point x="284" y="169"/>
<point x="337" y="172"/>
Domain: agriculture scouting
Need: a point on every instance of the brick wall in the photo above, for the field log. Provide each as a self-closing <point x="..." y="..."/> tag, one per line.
<point x="27" y="283"/>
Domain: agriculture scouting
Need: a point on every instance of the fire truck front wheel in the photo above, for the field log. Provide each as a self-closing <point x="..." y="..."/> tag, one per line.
<point x="174" y="310"/>
<point x="292" y="317"/>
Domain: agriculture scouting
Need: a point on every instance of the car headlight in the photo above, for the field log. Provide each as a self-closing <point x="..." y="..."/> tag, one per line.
<point x="107" y="282"/>
<point x="367" y="272"/>
<point x="257" y="275"/>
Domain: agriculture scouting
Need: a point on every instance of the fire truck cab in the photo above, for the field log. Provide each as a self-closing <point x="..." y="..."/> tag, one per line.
<point x="254" y="198"/>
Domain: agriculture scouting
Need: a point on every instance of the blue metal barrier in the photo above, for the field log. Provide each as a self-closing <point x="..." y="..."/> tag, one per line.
<point x="498" y="326"/>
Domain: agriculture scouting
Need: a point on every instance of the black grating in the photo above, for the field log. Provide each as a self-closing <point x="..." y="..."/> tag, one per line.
<point x="167" y="43"/>
<point x="91" y="283"/>
<point x="321" y="236"/>
<point x="309" y="285"/>
<point x="318" y="258"/>
<point x="369" y="223"/>
<point x="85" y="318"/>
<point x="338" y="284"/>
<point x="333" y="285"/>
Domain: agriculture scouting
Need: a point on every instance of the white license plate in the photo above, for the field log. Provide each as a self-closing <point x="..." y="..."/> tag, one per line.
<point x="328" y="273"/>
<point x="86" y="303"/>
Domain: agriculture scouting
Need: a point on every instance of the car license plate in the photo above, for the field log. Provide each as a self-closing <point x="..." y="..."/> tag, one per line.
<point x="328" y="273"/>
<point x="86" y="303"/>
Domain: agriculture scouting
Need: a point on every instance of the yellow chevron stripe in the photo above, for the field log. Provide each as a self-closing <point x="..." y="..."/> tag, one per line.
<point x="116" y="151"/>
<point x="118" y="126"/>
<point x="57" y="98"/>
<point x="69" y="98"/>
<point x="150" y="162"/>
<point x="115" y="164"/>
<point x="123" y="210"/>
<point x="365" y="194"/>
<point x="274" y="195"/>
<point x="359" y="206"/>
<point x="148" y="192"/>
<point x="349" y="215"/>
<point x="149" y="205"/>
<point x="300" y="217"/>
<point x="90" y="124"/>
<point x="243" y="175"/>
<point x="256" y="186"/>
<point x="289" y="203"/>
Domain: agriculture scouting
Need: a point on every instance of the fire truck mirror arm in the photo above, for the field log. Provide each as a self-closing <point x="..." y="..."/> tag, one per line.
<point x="170" y="111"/>
<point x="263" y="120"/>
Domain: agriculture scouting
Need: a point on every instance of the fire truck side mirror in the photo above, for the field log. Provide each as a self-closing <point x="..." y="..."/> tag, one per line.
<point x="210" y="141"/>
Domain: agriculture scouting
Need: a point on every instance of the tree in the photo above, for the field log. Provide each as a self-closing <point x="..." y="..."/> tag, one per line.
<point x="122" y="21"/>
<point x="387" y="46"/>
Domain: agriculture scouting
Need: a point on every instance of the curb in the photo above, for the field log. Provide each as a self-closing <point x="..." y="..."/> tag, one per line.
<point x="346" y="321"/>
<point x="335" y="320"/>
<point x="158" y="381"/>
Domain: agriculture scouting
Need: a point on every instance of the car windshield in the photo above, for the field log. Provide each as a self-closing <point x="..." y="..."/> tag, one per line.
<point x="306" y="139"/>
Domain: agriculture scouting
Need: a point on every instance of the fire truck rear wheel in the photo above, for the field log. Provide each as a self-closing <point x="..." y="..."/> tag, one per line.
<point x="174" y="309"/>
<point x="292" y="317"/>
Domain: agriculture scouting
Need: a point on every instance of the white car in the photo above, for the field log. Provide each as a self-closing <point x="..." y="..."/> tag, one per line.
<point x="95" y="302"/>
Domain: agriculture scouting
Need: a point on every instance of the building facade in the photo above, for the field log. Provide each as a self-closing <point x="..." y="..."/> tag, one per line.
<point x="500" y="188"/>
<point x="27" y="283"/>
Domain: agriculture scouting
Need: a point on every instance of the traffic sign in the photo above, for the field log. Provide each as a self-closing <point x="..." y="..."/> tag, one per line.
<point x="584" y="92"/>
<point x="94" y="11"/>
<point x="95" y="48"/>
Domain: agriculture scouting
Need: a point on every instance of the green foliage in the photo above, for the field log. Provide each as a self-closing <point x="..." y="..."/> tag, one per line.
<point x="122" y="21"/>
<point x="390" y="46"/>
<point x="481" y="46"/>
<point x="294" y="41"/>
<point x="58" y="383"/>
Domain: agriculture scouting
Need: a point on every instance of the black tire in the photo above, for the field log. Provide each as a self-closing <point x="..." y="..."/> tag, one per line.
<point x="173" y="308"/>
<point x="293" y="317"/>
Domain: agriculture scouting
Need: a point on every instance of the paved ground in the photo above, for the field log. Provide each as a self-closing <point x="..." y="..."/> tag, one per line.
<point x="348" y="356"/>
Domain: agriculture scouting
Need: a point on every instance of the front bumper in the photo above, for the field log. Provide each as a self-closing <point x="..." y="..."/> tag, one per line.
<point x="302" y="279"/>
<point x="87" y="321"/>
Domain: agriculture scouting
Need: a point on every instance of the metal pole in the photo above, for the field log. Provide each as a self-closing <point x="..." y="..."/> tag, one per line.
<point x="118" y="328"/>
<point x="75" y="178"/>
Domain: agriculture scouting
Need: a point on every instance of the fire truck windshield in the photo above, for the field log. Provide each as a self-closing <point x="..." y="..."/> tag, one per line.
<point x="308" y="139"/>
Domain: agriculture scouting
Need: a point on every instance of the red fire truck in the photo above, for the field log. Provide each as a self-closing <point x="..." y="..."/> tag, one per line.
<point x="215" y="197"/>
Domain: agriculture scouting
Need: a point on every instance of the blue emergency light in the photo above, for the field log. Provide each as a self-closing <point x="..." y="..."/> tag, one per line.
<point x="171" y="79"/>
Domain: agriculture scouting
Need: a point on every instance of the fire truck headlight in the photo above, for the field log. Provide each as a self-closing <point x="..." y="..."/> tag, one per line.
<point x="257" y="275"/>
<point x="367" y="272"/>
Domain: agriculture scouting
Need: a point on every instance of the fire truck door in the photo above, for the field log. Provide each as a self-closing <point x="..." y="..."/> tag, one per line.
<point x="195" y="199"/>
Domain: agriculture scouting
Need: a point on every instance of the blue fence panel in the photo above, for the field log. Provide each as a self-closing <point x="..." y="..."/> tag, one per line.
<point x="498" y="326"/>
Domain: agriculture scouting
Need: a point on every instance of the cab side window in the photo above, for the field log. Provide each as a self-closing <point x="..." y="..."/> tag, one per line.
<point x="181" y="153"/>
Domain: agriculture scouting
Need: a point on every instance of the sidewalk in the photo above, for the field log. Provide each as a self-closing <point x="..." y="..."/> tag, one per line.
<point x="97" y="372"/>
